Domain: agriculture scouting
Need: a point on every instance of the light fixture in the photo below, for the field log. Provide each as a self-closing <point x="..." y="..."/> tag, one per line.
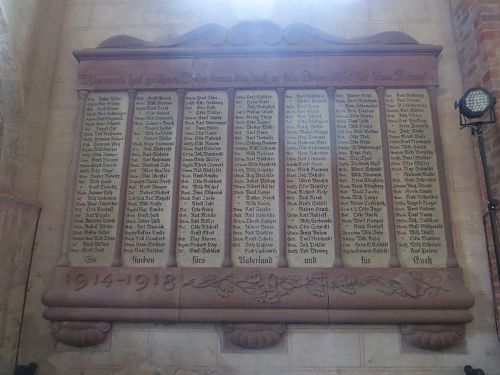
<point x="476" y="103"/>
<point x="477" y="110"/>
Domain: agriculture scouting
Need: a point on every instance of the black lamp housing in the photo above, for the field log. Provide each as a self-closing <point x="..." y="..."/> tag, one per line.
<point x="474" y="104"/>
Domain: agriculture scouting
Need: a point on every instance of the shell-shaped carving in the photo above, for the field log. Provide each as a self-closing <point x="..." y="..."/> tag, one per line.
<point x="433" y="336"/>
<point x="80" y="334"/>
<point x="254" y="336"/>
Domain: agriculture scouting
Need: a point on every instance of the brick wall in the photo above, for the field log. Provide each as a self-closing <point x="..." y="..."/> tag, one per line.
<point x="477" y="29"/>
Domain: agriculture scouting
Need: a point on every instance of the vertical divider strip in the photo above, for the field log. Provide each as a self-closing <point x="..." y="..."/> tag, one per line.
<point x="117" y="260"/>
<point x="71" y="177"/>
<point x="389" y="197"/>
<point x="228" y="217"/>
<point x="282" y="261"/>
<point x="451" y="260"/>
<point x="338" y="262"/>
<point x="174" y="218"/>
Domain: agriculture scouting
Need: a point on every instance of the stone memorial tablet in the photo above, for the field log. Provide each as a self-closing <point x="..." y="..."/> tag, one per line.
<point x="309" y="202"/>
<point x="255" y="179"/>
<point x="364" y="230"/>
<point x="149" y="194"/>
<point x="264" y="175"/>
<point x="417" y="199"/>
<point x="93" y="234"/>
<point x="200" y="240"/>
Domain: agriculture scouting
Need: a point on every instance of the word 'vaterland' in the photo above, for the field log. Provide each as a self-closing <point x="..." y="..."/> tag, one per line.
<point x="258" y="176"/>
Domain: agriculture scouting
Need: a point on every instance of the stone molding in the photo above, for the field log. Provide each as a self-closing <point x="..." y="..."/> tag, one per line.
<point x="256" y="33"/>
<point x="254" y="37"/>
<point x="280" y="295"/>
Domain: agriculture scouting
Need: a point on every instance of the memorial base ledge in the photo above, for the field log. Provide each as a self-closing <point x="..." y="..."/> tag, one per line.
<point x="430" y="304"/>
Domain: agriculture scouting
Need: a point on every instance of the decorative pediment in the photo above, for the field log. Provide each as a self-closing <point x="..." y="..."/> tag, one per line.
<point x="259" y="33"/>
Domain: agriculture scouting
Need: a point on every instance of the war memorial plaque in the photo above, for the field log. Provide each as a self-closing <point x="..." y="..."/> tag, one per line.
<point x="258" y="175"/>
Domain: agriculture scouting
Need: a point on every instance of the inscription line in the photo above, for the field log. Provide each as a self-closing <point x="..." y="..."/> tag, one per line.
<point x="117" y="260"/>
<point x="451" y="260"/>
<point x="72" y="177"/>
<point x="228" y="219"/>
<point x="282" y="261"/>
<point x="391" y="222"/>
<point x="172" y="251"/>
<point x="338" y="262"/>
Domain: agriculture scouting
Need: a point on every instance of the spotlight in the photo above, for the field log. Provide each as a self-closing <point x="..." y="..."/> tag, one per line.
<point x="475" y="103"/>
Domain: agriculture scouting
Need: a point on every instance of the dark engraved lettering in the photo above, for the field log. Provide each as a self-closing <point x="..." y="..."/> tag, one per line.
<point x="361" y="180"/>
<point x="417" y="200"/>
<point x="149" y="205"/>
<point x="255" y="178"/>
<point x="98" y="180"/>
<point x="203" y="175"/>
<point x="309" y="208"/>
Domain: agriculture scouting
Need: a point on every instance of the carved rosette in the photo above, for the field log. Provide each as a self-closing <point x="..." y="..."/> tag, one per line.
<point x="254" y="336"/>
<point x="80" y="334"/>
<point x="433" y="336"/>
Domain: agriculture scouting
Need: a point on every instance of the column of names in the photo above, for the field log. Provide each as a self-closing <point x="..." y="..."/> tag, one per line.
<point x="200" y="240"/>
<point x="255" y="179"/>
<point x="309" y="201"/>
<point x="361" y="184"/>
<point x="149" y="201"/>
<point x="417" y="200"/>
<point x="94" y="225"/>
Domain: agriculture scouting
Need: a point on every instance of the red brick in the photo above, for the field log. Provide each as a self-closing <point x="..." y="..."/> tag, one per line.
<point x="489" y="34"/>
<point x="477" y="31"/>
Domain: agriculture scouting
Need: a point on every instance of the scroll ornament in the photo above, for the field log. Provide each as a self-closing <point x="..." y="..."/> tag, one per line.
<point x="409" y="285"/>
<point x="263" y="287"/>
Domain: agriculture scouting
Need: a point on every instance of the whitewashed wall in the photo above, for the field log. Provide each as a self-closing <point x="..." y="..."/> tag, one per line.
<point x="28" y="47"/>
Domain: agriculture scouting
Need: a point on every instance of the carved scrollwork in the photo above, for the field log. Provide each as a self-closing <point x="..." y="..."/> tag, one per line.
<point x="254" y="336"/>
<point x="258" y="33"/>
<point x="409" y="285"/>
<point x="80" y="334"/>
<point x="433" y="336"/>
<point x="264" y="287"/>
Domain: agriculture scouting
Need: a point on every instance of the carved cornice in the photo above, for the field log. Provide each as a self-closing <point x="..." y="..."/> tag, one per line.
<point x="260" y="37"/>
<point x="256" y="33"/>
